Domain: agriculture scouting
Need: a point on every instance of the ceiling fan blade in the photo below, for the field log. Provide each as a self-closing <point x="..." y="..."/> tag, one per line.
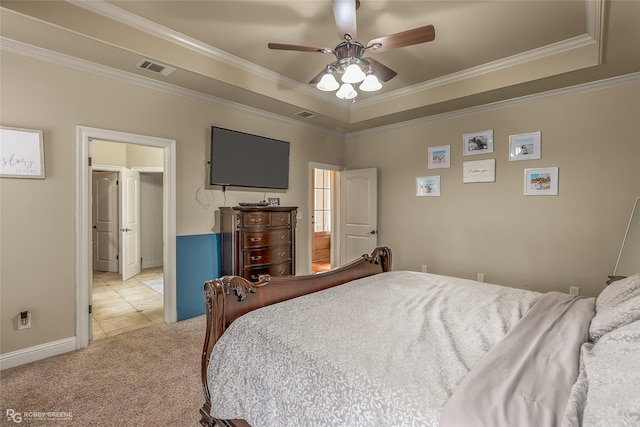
<point x="405" y="38"/>
<point x="281" y="46"/>
<point x="344" y="11"/>
<point x="381" y="71"/>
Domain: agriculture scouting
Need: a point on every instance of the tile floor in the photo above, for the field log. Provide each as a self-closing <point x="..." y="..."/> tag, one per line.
<point x="125" y="306"/>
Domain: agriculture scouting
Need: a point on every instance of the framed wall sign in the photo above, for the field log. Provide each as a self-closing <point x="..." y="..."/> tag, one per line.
<point x="479" y="171"/>
<point x="21" y="153"/>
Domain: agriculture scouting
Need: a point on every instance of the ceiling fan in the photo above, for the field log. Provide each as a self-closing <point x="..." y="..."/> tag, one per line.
<point x="350" y="64"/>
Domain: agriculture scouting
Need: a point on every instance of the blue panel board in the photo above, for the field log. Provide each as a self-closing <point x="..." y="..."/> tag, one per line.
<point x="198" y="260"/>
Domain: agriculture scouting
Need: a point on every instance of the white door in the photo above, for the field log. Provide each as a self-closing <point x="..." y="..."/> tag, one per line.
<point x="358" y="213"/>
<point x="130" y="225"/>
<point x="105" y="221"/>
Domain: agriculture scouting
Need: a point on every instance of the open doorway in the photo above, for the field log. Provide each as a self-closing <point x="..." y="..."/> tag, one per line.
<point x="321" y="218"/>
<point x="324" y="198"/>
<point x="84" y="242"/>
<point x="127" y="234"/>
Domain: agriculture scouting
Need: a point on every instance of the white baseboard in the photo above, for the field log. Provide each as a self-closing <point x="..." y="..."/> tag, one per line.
<point x="38" y="352"/>
<point x="151" y="263"/>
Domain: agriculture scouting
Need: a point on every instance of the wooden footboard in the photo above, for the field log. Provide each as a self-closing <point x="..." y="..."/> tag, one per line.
<point x="229" y="297"/>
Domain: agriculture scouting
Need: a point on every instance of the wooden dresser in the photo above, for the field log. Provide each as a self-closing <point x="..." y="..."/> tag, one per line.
<point x="258" y="240"/>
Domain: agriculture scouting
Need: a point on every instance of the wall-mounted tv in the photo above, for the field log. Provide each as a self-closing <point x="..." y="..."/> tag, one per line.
<point x="240" y="159"/>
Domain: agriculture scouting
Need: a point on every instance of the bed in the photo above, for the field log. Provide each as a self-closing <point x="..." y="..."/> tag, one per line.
<point x="363" y="345"/>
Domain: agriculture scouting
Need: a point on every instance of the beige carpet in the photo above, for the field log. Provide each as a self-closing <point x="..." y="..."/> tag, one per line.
<point x="147" y="377"/>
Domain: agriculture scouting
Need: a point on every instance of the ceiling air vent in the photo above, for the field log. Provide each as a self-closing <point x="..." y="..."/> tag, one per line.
<point x="305" y="114"/>
<point x="154" y="67"/>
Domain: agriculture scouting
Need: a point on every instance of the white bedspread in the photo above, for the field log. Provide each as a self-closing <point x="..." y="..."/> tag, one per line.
<point x="385" y="350"/>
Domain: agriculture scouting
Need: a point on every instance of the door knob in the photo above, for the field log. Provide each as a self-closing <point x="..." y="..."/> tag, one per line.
<point x="373" y="232"/>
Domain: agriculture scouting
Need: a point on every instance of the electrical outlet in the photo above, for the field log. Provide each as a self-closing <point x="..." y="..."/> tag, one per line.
<point x="25" y="325"/>
<point x="574" y="290"/>
<point x="480" y="277"/>
<point x="424" y="268"/>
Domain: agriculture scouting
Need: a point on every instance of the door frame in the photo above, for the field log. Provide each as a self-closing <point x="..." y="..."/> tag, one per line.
<point x="335" y="212"/>
<point x="83" y="273"/>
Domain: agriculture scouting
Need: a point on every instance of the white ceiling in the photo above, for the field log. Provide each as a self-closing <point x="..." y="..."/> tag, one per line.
<point x="484" y="51"/>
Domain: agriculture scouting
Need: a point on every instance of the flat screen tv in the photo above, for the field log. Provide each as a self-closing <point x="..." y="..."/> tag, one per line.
<point x="240" y="159"/>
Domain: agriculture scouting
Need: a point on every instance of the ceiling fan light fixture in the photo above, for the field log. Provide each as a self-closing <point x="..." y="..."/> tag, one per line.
<point x="346" y="92"/>
<point x="370" y="84"/>
<point x="353" y="74"/>
<point x="328" y="83"/>
<point x="350" y="64"/>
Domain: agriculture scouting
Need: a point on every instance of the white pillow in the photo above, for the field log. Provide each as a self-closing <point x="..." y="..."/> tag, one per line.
<point x="617" y="305"/>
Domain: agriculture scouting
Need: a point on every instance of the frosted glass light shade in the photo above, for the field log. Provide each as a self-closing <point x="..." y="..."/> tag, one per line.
<point x="328" y="83"/>
<point x="370" y="84"/>
<point x="346" y="92"/>
<point x="353" y="74"/>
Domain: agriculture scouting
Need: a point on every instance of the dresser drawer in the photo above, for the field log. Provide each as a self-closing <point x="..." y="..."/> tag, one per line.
<point x="274" y="270"/>
<point x="255" y="239"/>
<point x="267" y="255"/>
<point x="280" y="219"/>
<point x="256" y="219"/>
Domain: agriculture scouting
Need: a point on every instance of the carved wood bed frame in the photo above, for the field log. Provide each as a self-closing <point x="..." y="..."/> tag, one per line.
<point x="223" y="307"/>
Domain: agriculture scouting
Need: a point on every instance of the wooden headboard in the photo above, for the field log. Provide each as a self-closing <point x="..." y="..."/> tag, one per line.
<point x="229" y="297"/>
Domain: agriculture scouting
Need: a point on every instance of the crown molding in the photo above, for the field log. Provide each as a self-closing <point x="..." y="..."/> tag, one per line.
<point x="46" y="55"/>
<point x="594" y="18"/>
<point x="28" y="50"/>
<point x="500" y="64"/>
<point x="125" y="17"/>
<point x="508" y="103"/>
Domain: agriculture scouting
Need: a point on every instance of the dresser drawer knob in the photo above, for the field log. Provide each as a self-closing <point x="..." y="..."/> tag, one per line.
<point x="281" y="271"/>
<point x="282" y="237"/>
<point x="255" y="239"/>
<point x="256" y="220"/>
<point x="256" y="258"/>
<point x="281" y="254"/>
<point x="282" y="219"/>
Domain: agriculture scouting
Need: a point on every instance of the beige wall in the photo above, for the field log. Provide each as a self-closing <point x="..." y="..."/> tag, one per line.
<point x="37" y="223"/>
<point x="111" y="153"/>
<point x="536" y="242"/>
<point x="128" y="155"/>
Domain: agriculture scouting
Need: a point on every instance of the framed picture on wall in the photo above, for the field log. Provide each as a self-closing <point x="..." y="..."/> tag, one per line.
<point x="439" y="157"/>
<point x="525" y="146"/>
<point x="427" y="186"/>
<point x="477" y="143"/>
<point x="21" y="153"/>
<point x="541" y="182"/>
